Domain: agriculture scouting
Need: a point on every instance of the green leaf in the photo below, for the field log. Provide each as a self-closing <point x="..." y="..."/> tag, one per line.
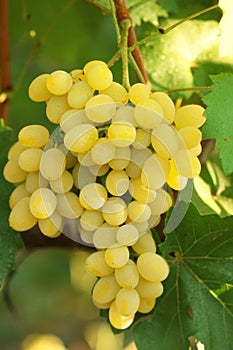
<point x="10" y="241"/>
<point x="147" y="12"/>
<point x="198" y="292"/>
<point x="169" y="58"/>
<point x="219" y="123"/>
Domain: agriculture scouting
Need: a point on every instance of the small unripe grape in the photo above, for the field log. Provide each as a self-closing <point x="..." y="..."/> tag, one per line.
<point x="34" y="180"/>
<point x="174" y="179"/>
<point x="121" y="158"/>
<point x="189" y="137"/>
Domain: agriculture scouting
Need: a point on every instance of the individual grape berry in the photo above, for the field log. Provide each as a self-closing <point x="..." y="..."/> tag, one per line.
<point x="81" y="138"/>
<point x="79" y="94"/>
<point x="152" y="267"/>
<point x="21" y="217"/>
<point x="33" y="136"/>
<point x="42" y="203"/>
<point x="38" y="90"/>
<point x="59" y="82"/>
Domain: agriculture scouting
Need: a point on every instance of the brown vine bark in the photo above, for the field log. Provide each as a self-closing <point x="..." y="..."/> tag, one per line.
<point x="4" y="58"/>
<point x="122" y="14"/>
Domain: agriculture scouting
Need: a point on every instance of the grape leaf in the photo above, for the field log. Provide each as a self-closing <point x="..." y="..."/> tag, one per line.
<point x="147" y="12"/>
<point x="10" y="241"/>
<point x="169" y="58"/>
<point x="199" y="290"/>
<point x="219" y="123"/>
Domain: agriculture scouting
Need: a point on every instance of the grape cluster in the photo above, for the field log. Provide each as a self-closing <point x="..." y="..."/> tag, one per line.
<point x="106" y="170"/>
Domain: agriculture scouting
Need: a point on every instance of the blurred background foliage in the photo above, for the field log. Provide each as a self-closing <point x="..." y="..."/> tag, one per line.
<point x="49" y="293"/>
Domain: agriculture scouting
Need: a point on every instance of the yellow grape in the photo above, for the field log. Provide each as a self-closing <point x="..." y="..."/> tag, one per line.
<point x="139" y="192"/>
<point x="103" y="151"/>
<point x="138" y="93"/>
<point x="51" y="226"/>
<point x="105" y="236"/>
<point x="93" y="196"/>
<point x="33" y="136"/>
<point x="59" y="82"/>
<point x="38" y="90"/>
<point x="127" y="234"/>
<point x="127" y="301"/>
<point x="79" y="94"/>
<point x="96" y="265"/>
<point x="100" y="108"/>
<point x="99" y="76"/>
<point x="12" y="171"/>
<point x="77" y="75"/>
<point x="117" y="320"/>
<point x="116" y="91"/>
<point x="174" y="179"/>
<point x="42" y="203"/>
<point x="148" y="289"/>
<point x="145" y="244"/>
<point x="29" y="160"/>
<point x="81" y="138"/>
<point x="121" y="158"/>
<point x="114" y="211"/>
<point x="143" y="139"/>
<point x="146" y="305"/>
<point x="68" y="205"/>
<point x="148" y="114"/>
<point x="138" y="158"/>
<point x="21" y="218"/>
<point x="72" y="118"/>
<point x="167" y="105"/>
<point x="56" y="107"/>
<point x="122" y="134"/>
<point x="85" y="159"/>
<point x="190" y="115"/>
<point x="161" y="203"/>
<point x="190" y="137"/>
<point x="34" y="180"/>
<point x="138" y="212"/>
<point x="99" y="170"/>
<point x="187" y="163"/>
<point x="124" y="114"/>
<point x="117" y="256"/>
<point x="18" y="193"/>
<point x="90" y="220"/>
<point x="92" y="64"/>
<point x="164" y="140"/>
<point x="152" y="267"/>
<point x="105" y="289"/>
<point x="52" y="164"/>
<point x="154" y="172"/>
<point x="128" y="275"/>
<point x="62" y="184"/>
<point x="15" y="150"/>
<point x="117" y="182"/>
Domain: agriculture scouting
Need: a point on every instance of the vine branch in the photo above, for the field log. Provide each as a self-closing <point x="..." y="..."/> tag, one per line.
<point x="122" y="14"/>
<point x="4" y="60"/>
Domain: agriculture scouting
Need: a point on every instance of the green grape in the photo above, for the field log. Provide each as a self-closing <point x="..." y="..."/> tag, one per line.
<point x="189" y="115"/>
<point x="12" y="171"/>
<point x="18" y="193"/>
<point x="56" y="107"/>
<point x="145" y="244"/>
<point x="164" y="140"/>
<point x="143" y="139"/>
<point x="93" y="196"/>
<point x="114" y="211"/>
<point x="68" y="205"/>
<point x="59" y="82"/>
<point x="42" y="203"/>
<point x="125" y="115"/>
<point x="105" y="289"/>
<point x="98" y="75"/>
<point x="122" y="134"/>
<point x="90" y="220"/>
<point x="117" y="256"/>
<point x="138" y="93"/>
<point x="174" y="179"/>
<point x="146" y="305"/>
<point x="38" y="90"/>
<point x="167" y="105"/>
<point x="100" y="108"/>
<point x="15" y="150"/>
<point x="190" y="137"/>
<point x="105" y="236"/>
<point x="117" y="320"/>
<point x="154" y="172"/>
<point x="148" y="114"/>
<point x="79" y="94"/>
<point x="138" y="212"/>
<point x="121" y="158"/>
<point x="75" y="174"/>
<point x="96" y="265"/>
<point x="103" y="151"/>
<point x="81" y="138"/>
<point x="152" y="267"/>
<point x="62" y="184"/>
<point x="29" y="160"/>
<point x="117" y="182"/>
<point x="21" y="218"/>
<point x="34" y="180"/>
<point x="187" y="163"/>
<point x="139" y="192"/>
<point x="127" y="301"/>
<point x="127" y="234"/>
<point x="52" y="164"/>
<point x="117" y="92"/>
<point x="147" y="289"/>
<point x="33" y="136"/>
<point x="72" y="118"/>
<point x="51" y="226"/>
<point x="128" y="275"/>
